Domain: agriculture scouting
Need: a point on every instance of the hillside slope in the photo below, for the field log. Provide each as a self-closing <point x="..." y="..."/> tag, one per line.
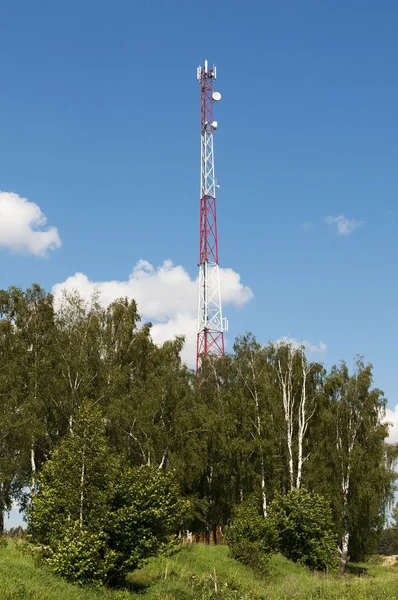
<point x="198" y="572"/>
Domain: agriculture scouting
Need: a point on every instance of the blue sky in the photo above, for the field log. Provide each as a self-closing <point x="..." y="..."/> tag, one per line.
<point x="99" y="127"/>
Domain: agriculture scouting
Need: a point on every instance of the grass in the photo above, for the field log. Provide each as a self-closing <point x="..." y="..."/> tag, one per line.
<point x="21" y="579"/>
<point x="196" y="572"/>
<point x="200" y="572"/>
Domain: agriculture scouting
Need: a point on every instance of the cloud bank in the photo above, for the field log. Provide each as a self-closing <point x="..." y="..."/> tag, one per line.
<point x="310" y="348"/>
<point x="23" y="227"/>
<point x="344" y="226"/>
<point x="165" y="295"/>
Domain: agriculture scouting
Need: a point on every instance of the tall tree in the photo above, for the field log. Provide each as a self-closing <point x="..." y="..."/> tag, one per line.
<point x="34" y="330"/>
<point x="261" y="418"/>
<point x="10" y="407"/>
<point x="299" y="385"/>
<point x="79" y="334"/>
<point x="358" y="457"/>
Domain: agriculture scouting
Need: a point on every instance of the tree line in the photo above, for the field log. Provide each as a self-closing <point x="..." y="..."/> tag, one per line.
<point x="261" y="421"/>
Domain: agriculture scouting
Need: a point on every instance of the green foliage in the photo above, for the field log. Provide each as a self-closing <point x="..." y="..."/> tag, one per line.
<point x="96" y="517"/>
<point x="298" y="524"/>
<point x="226" y="433"/>
<point x="76" y="482"/>
<point x="145" y="509"/>
<point x="81" y="556"/>
<point x="305" y="528"/>
<point x="353" y="467"/>
<point x="388" y="543"/>
<point x="251" y="538"/>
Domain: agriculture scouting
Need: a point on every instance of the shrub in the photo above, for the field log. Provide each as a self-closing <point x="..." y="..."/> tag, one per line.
<point x="251" y="538"/>
<point x="144" y="511"/>
<point x="305" y="529"/>
<point x="94" y="517"/>
<point x="81" y="556"/>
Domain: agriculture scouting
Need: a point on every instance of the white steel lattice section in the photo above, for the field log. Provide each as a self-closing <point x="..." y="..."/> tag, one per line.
<point x="208" y="183"/>
<point x="209" y="309"/>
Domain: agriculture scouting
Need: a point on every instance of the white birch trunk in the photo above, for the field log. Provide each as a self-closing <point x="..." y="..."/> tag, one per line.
<point x="344" y="552"/>
<point x="352" y="430"/>
<point x="263" y="490"/>
<point x="163" y="461"/>
<point x="259" y="435"/>
<point x="286" y="383"/>
<point x="33" y="470"/>
<point x="346" y="535"/>
<point x="258" y="431"/>
<point x="82" y="490"/>
<point x="305" y="413"/>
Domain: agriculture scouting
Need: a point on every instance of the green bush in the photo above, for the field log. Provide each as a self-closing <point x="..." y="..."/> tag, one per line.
<point x="251" y="538"/>
<point x="94" y="517"/>
<point x="81" y="556"/>
<point x="305" y="529"/>
<point x="299" y="525"/>
<point x="144" y="511"/>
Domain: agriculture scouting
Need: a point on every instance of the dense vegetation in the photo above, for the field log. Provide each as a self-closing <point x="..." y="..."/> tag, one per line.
<point x="89" y="403"/>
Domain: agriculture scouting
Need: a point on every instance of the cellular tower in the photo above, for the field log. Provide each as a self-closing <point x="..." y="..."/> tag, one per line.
<point x="211" y="323"/>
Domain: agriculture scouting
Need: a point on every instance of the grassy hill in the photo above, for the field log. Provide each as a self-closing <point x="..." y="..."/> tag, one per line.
<point x="20" y="579"/>
<point x="198" y="572"/>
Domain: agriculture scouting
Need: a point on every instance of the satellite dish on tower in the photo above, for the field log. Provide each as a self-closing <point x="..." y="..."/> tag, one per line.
<point x="216" y="96"/>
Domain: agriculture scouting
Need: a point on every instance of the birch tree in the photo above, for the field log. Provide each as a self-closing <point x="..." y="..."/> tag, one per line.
<point x="34" y="329"/>
<point x="80" y="327"/>
<point x="311" y="386"/>
<point x="259" y="420"/>
<point x="151" y="415"/>
<point x="299" y="384"/>
<point x="289" y="390"/>
<point x="359" y="448"/>
<point x="14" y="435"/>
<point x="214" y="439"/>
<point x="75" y="481"/>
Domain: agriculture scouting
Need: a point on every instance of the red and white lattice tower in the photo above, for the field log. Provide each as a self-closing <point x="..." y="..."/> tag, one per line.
<point x="211" y="324"/>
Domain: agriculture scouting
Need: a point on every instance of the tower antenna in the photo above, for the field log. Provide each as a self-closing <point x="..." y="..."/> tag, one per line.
<point x="211" y="323"/>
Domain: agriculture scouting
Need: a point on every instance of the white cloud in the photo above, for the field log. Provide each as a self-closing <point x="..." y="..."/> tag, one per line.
<point x="23" y="227"/>
<point x="391" y="417"/>
<point x="310" y="348"/>
<point x="165" y="295"/>
<point x="344" y="226"/>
